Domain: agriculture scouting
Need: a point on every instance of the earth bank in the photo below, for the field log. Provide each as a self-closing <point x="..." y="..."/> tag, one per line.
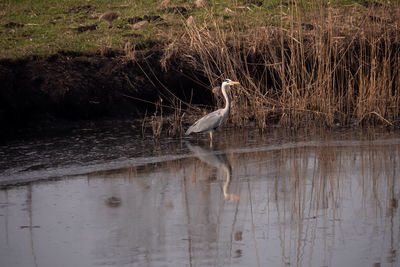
<point x="70" y="86"/>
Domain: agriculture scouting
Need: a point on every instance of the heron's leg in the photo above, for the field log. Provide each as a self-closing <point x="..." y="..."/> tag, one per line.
<point x="211" y="138"/>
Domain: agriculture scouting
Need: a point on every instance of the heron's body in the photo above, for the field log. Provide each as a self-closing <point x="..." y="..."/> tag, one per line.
<point x="215" y="119"/>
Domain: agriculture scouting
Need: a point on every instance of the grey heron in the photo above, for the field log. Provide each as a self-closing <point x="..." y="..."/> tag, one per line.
<point x="215" y="119"/>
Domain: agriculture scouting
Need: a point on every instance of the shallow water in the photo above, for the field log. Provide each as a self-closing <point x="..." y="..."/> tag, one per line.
<point x="108" y="197"/>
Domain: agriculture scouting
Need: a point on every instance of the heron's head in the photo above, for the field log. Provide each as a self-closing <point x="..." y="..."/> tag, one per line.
<point x="229" y="82"/>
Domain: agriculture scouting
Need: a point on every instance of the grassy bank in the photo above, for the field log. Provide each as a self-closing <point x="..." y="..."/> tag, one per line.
<point x="36" y="27"/>
<point x="300" y="63"/>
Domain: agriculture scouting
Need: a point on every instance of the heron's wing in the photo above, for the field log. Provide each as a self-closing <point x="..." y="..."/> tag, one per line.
<point x="208" y="156"/>
<point x="208" y="122"/>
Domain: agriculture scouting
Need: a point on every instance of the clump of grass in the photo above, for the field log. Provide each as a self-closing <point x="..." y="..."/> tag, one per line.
<point x="176" y="120"/>
<point x="129" y="50"/>
<point x="332" y="66"/>
<point x="156" y="121"/>
<point x="171" y="124"/>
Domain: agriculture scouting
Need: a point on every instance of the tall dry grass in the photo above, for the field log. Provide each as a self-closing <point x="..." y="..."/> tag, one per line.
<point x="330" y="66"/>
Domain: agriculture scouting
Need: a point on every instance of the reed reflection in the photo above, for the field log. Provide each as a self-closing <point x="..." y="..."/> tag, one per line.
<point x="321" y="201"/>
<point x="325" y="198"/>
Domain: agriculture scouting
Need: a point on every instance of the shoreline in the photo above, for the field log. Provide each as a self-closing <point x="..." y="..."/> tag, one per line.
<point x="339" y="67"/>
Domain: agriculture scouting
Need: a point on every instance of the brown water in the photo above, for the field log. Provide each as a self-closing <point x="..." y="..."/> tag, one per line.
<point x="109" y="198"/>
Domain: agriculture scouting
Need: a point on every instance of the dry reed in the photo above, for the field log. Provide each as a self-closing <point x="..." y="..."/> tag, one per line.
<point x="155" y="122"/>
<point x="332" y="66"/>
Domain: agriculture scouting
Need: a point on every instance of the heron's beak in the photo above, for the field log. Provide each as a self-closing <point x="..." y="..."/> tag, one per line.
<point x="232" y="83"/>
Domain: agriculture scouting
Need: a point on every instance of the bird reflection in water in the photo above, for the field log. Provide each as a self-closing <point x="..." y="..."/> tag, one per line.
<point x="217" y="160"/>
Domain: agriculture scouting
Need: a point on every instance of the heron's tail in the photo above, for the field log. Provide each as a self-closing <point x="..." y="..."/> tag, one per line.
<point x="189" y="131"/>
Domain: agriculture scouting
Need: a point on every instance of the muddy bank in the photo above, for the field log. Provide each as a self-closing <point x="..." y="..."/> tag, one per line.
<point x="68" y="86"/>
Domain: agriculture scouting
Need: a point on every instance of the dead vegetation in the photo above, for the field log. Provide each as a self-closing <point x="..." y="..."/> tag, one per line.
<point x="334" y="67"/>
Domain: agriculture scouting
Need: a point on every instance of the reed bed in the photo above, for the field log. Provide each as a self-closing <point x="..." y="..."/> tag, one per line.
<point x="331" y="66"/>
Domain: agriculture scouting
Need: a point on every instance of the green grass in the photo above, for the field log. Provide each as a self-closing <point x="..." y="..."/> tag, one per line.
<point x="50" y="26"/>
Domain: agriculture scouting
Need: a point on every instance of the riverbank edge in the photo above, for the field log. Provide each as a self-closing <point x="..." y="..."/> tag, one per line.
<point x="73" y="87"/>
<point x="68" y="87"/>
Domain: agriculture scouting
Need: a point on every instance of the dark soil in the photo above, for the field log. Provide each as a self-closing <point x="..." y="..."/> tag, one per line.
<point x="132" y="35"/>
<point x="149" y="18"/>
<point x="13" y="25"/>
<point x="86" y="28"/>
<point x="75" y="87"/>
<point x="134" y="20"/>
<point x="84" y="8"/>
<point x="176" y="10"/>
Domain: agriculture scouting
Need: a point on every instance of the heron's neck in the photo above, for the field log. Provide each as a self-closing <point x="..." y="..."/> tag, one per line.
<point x="228" y="171"/>
<point x="227" y="107"/>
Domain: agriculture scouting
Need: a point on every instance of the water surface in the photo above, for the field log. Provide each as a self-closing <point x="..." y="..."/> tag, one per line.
<point x="109" y="197"/>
